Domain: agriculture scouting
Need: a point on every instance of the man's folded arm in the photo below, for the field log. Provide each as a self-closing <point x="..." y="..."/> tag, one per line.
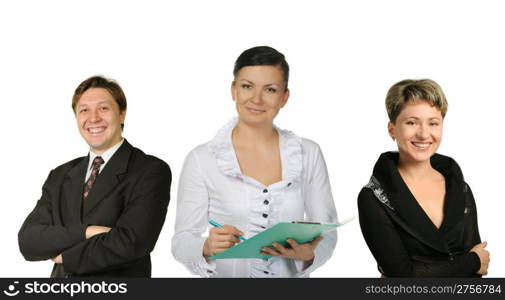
<point x="39" y="238"/>
<point x="136" y="230"/>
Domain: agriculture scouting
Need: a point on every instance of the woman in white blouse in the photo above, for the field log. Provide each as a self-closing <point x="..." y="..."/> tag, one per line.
<point x="251" y="176"/>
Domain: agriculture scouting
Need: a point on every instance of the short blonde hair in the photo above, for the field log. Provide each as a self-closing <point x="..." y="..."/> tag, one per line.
<point x="412" y="90"/>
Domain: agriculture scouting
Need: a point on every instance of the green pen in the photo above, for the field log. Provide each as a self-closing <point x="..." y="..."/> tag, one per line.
<point x="216" y="224"/>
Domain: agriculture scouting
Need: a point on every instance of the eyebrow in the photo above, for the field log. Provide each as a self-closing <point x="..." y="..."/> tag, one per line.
<point x="432" y="118"/>
<point x="268" y="84"/>
<point x="245" y="80"/>
<point x="99" y="103"/>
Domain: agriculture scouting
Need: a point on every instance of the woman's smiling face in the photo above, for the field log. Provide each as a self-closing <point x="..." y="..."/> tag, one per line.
<point x="259" y="93"/>
<point x="417" y="130"/>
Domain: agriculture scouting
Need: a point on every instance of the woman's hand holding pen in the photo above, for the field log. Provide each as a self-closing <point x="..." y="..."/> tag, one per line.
<point x="303" y="252"/>
<point x="483" y="254"/>
<point x="220" y="239"/>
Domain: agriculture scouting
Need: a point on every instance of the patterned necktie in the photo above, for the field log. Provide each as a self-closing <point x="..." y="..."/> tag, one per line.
<point x="95" y="168"/>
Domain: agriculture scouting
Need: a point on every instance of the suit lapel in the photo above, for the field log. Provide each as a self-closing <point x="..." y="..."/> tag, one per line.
<point x="72" y="192"/>
<point x="108" y="178"/>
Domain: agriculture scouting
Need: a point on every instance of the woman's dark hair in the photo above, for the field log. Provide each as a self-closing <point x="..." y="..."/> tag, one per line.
<point x="262" y="56"/>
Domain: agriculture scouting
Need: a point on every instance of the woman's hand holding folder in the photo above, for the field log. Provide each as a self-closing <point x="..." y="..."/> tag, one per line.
<point x="303" y="252"/>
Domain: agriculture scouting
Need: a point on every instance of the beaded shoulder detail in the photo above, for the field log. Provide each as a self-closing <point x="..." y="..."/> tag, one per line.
<point x="378" y="191"/>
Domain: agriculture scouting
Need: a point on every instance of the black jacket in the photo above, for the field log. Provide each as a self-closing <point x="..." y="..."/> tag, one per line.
<point x="130" y="195"/>
<point x="402" y="238"/>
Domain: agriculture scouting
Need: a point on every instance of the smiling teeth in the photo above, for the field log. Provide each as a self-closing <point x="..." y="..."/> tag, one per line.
<point x="421" y="145"/>
<point x="96" y="130"/>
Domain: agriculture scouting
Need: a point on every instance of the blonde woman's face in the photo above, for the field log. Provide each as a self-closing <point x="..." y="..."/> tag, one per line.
<point x="418" y="131"/>
<point x="259" y="93"/>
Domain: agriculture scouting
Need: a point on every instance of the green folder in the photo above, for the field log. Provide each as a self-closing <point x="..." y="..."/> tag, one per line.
<point x="300" y="232"/>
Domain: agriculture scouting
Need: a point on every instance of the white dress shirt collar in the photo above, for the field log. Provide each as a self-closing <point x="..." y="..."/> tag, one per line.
<point x="106" y="156"/>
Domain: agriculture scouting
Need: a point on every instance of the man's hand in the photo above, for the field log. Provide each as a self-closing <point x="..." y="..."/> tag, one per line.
<point x="95" y="229"/>
<point x="58" y="259"/>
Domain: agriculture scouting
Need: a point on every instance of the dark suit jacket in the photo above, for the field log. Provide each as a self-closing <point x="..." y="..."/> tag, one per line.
<point x="401" y="236"/>
<point x="130" y="195"/>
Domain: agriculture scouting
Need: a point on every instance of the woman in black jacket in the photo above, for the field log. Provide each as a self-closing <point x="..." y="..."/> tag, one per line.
<point x="417" y="214"/>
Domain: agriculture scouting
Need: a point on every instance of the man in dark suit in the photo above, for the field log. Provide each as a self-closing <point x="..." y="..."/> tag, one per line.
<point x="100" y="215"/>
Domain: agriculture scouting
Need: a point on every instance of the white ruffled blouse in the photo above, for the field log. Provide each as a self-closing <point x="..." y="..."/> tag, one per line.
<point x="212" y="186"/>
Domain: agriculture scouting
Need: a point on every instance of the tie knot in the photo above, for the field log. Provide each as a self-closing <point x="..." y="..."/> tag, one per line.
<point x="97" y="162"/>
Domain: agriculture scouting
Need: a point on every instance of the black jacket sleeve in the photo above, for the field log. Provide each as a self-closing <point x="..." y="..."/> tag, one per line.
<point x="471" y="234"/>
<point x="389" y="251"/>
<point x="136" y="230"/>
<point x="39" y="238"/>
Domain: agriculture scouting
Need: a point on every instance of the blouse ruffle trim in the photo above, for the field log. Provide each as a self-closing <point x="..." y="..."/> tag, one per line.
<point x="222" y="149"/>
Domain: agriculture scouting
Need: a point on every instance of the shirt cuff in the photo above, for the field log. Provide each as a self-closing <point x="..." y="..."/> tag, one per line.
<point x="301" y="265"/>
<point x="475" y="261"/>
<point x="197" y="263"/>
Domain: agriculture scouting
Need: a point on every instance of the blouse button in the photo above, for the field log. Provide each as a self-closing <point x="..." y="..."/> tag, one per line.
<point x="265" y="191"/>
<point x="266" y="272"/>
<point x="266" y="202"/>
<point x="265" y="215"/>
<point x="289" y="184"/>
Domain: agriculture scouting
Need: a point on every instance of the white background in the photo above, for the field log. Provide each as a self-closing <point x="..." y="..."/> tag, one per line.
<point x="174" y="61"/>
